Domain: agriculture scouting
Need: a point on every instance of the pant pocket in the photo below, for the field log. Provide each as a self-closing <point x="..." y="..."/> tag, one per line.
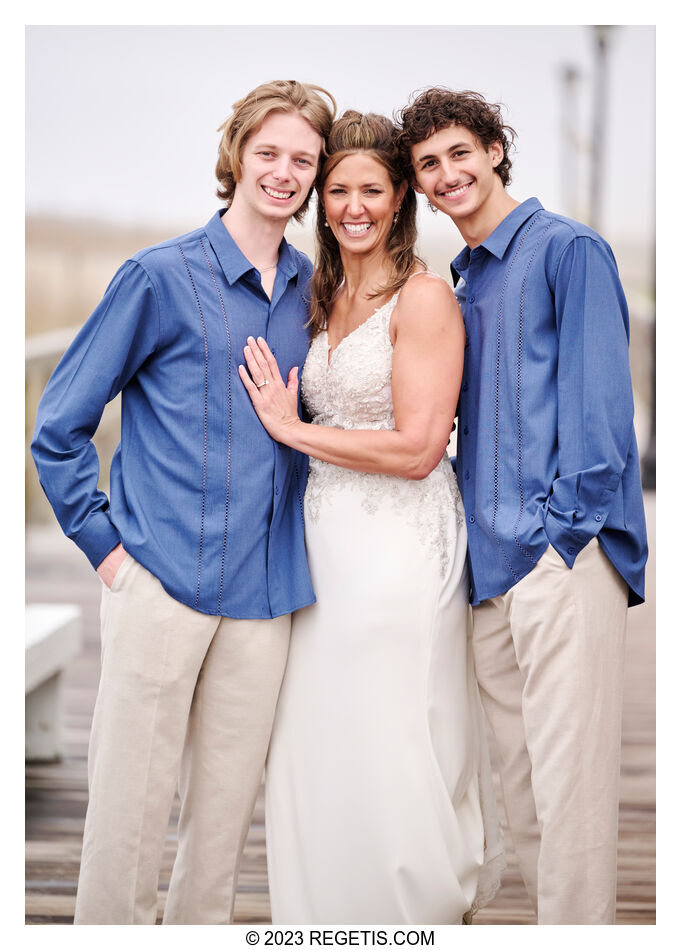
<point x="121" y="572"/>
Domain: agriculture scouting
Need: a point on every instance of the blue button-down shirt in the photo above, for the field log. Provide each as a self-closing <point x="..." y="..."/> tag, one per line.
<point x="546" y="451"/>
<point x="200" y="494"/>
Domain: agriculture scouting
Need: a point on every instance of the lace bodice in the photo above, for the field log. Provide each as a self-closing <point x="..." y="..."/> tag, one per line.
<point x="351" y="389"/>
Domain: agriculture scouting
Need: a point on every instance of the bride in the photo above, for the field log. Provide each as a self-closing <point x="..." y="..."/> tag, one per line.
<point x="379" y="802"/>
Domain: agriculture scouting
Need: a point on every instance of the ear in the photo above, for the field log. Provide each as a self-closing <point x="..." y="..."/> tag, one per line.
<point x="411" y="178"/>
<point x="400" y="193"/>
<point x="496" y="150"/>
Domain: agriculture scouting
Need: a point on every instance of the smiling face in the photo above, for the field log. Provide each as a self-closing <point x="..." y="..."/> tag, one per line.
<point x="278" y="166"/>
<point x="456" y="173"/>
<point x="360" y="203"/>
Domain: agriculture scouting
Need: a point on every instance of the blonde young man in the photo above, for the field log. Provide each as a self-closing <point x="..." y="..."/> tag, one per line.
<point x="200" y="548"/>
<point x="549" y="474"/>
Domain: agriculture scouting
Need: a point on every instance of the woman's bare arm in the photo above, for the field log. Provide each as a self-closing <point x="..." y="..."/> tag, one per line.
<point x="428" y="337"/>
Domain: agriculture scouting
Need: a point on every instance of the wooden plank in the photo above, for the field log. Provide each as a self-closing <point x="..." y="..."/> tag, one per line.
<point x="56" y="794"/>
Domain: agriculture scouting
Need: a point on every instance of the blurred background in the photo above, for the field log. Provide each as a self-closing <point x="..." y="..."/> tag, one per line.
<point x="121" y="142"/>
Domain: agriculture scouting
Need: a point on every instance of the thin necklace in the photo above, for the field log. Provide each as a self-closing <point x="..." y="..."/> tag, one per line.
<point x="264" y="269"/>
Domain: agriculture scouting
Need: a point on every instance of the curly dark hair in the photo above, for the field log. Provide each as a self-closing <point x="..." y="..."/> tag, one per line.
<point x="431" y="110"/>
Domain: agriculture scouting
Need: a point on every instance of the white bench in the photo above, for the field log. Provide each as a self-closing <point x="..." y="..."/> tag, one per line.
<point x="53" y="638"/>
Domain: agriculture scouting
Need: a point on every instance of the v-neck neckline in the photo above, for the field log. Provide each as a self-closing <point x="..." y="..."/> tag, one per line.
<point x="330" y="352"/>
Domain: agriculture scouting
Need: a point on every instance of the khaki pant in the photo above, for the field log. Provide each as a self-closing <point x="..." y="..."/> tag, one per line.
<point x="181" y="695"/>
<point x="549" y="657"/>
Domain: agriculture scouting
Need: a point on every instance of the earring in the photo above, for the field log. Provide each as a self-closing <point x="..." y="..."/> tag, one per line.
<point x="432" y="208"/>
<point x="396" y="216"/>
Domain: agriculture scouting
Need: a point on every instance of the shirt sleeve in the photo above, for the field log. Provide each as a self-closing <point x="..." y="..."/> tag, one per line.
<point x="595" y="400"/>
<point x="114" y="342"/>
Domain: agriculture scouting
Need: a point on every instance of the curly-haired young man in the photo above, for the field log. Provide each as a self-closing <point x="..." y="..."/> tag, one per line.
<point x="548" y="468"/>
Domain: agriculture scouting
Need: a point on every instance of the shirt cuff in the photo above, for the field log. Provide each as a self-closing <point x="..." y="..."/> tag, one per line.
<point x="562" y="540"/>
<point x="97" y="538"/>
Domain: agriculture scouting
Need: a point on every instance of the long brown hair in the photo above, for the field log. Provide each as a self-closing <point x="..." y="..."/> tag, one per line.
<point x="374" y="134"/>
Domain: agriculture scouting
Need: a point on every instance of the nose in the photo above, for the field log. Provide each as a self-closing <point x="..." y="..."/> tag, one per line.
<point x="450" y="170"/>
<point x="281" y="170"/>
<point x="355" y="204"/>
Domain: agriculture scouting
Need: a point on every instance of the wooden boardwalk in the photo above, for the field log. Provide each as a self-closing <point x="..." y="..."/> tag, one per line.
<point x="56" y="794"/>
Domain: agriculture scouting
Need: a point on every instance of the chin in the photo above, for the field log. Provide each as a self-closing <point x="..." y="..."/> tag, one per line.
<point x="277" y="213"/>
<point x="460" y="212"/>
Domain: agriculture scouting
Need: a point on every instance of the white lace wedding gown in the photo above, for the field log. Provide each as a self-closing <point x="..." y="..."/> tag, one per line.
<point x="379" y="793"/>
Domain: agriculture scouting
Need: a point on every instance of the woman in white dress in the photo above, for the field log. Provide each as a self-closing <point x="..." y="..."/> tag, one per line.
<point x="379" y="802"/>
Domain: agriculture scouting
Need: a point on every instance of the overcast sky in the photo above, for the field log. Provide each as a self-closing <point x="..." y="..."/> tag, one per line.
<point x="121" y="121"/>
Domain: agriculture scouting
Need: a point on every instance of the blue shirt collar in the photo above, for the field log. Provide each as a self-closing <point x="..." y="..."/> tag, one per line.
<point x="497" y="242"/>
<point x="232" y="260"/>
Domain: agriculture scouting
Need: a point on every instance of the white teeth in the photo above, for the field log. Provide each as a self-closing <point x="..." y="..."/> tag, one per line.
<point x="356" y="228"/>
<point x="458" y="191"/>
<point x="277" y="194"/>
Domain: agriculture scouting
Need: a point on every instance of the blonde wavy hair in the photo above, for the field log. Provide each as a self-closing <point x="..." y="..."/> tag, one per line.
<point x="376" y="135"/>
<point x="280" y="95"/>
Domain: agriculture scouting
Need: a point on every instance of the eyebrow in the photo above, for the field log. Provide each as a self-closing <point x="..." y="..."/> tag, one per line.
<point x="424" y="158"/>
<point x="340" y="183"/>
<point x="276" y="147"/>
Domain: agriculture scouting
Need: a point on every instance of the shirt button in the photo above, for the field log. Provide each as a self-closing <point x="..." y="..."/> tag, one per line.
<point x="471" y="299"/>
<point x="276" y="491"/>
<point x="598" y="517"/>
<point x="465" y="430"/>
<point x="466" y="474"/>
<point x="472" y="519"/>
<point x="571" y="550"/>
<point x="465" y="387"/>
